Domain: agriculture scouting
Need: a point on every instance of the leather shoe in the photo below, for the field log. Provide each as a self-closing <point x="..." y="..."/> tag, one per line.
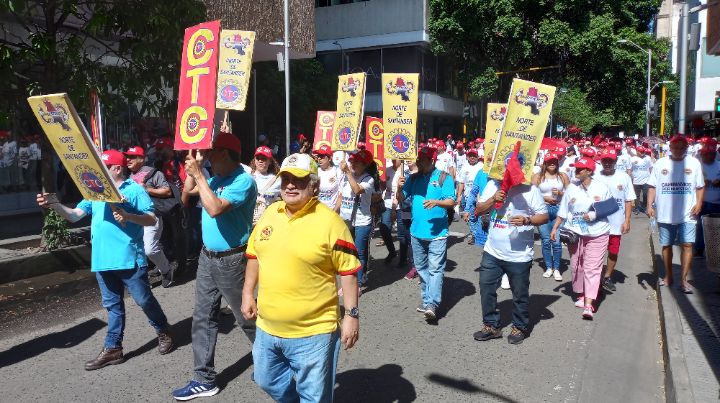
<point x="165" y="342"/>
<point x="108" y="356"/>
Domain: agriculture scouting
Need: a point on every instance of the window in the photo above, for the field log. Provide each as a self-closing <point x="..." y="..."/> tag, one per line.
<point x="328" y="3"/>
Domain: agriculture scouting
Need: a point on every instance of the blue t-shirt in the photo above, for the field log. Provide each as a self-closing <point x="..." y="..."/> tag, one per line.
<point x="232" y="228"/>
<point x="117" y="247"/>
<point x="429" y="223"/>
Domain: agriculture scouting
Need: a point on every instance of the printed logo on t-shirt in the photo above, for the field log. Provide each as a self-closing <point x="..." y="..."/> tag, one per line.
<point x="665" y="172"/>
<point x="332" y="179"/>
<point x="572" y="201"/>
<point x="620" y="187"/>
<point x="597" y="198"/>
<point x="688" y="171"/>
<point x="676" y="188"/>
<point x="266" y="232"/>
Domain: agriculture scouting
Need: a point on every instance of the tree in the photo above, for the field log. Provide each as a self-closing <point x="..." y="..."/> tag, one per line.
<point x="576" y="40"/>
<point x="128" y="50"/>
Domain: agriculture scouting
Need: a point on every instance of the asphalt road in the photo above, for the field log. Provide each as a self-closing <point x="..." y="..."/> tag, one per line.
<point x="616" y="357"/>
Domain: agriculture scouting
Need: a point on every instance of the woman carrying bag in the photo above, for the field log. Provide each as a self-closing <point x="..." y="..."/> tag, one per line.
<point x="584" y="210"/>
<point x="552" y="184"/>
<point x="264" y="172"/>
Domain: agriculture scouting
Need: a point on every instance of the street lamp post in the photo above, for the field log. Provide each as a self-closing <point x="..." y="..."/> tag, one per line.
<point x="287" y="77"/>
<point x="647" y="95"/>
<point x="342" y="57"/>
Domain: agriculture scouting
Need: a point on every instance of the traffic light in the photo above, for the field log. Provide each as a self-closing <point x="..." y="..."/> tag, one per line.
<point x="653" y="107"/>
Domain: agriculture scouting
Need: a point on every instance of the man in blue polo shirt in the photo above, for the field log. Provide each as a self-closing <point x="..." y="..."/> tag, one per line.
<point x="118" y="257"/>
<point x="228" y="201"/>
<point x="432" y="192"/>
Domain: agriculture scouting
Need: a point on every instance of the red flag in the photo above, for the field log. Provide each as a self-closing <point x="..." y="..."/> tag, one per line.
<point x="514" y="174"/>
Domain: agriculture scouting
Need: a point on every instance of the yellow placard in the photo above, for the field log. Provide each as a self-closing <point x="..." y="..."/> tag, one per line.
<point x="400" y="110"/>
<point x="493" y="125"/>
<point x="528" y="112"/>
<point x="72" y="143"/>
<point x="350" y="109"/>
<point x="234" y="67"/>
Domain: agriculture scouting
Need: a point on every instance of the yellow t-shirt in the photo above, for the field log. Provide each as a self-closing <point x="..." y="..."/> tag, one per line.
<point x="299" y="258"/>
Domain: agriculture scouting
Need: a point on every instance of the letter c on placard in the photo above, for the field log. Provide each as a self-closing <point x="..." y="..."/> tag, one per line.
<point x="190" y="130"/>
<point x="197" y="51"/>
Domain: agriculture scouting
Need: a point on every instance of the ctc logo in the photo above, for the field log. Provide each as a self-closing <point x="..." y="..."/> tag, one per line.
<point x="400" y="143"/>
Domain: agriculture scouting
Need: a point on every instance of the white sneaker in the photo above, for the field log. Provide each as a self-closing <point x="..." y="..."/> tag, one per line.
<point x="580" y="302"/>
<point x="505" y="282"/>
<point x="548" y="273"/>
<point x="557" y="275"/>
<point x="588" y="312"/>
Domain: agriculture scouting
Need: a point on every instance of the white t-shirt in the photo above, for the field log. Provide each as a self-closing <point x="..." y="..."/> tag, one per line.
<point x="444" y="162"/>
<point x="641" y="168"/>
<point x="622" y="190"/>
<point x="388" y="193"/>
<point x="624" y="161"/>
<point x="567" y="169"/>
<point x="9" y="153"/>
<point x="676" y="183"/>
<point x="363" y="215"/>
<point x="711" y="172"/>
<point x="330" y="180"/>
<point x="577" y="201"/>
<point x="502" y="243"/>
<point x="35" y="152"/>
<point x="467" y="176"/>
<point x="338" y="157"/>
<point x="406" y="215"/>
<point x="460" y="161"/>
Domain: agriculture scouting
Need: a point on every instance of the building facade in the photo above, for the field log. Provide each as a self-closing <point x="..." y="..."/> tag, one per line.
<point x="390" y="36"/>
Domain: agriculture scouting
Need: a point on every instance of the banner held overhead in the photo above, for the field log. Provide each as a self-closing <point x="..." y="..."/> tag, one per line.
<point x="235" y="65"/>
<point x="400" y="110"/>
<point x="350" y="109"/>
<point x="375" y="143"/>
<point x="323" y="129"/>
<point x="198" y="84"/>
<point x="493" y="126"/>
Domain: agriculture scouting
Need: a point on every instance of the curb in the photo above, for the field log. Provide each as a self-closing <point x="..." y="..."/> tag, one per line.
<point x="677" y="379"/>
<point x="32" y="265"/>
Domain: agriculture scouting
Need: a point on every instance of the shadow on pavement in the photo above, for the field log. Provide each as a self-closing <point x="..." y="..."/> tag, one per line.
<point x="538" y="307"/>
<point x="233" y="371"/>
<point x="454" y="290"/>
<point x="67" y="338"/>
<point x="384" y="384"/>
<point x="646" y="280"/>
<point x="466" y="386"/>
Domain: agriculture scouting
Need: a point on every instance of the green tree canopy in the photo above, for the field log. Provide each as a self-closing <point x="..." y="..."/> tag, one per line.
<point x="576" y="39"/>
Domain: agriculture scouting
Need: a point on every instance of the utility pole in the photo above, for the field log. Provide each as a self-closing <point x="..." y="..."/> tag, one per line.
<point x="662" y="111"/>
<point x="682" y="49"/>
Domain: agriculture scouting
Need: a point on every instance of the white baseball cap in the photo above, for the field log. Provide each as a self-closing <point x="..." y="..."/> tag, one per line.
<point x="299" y="165"/>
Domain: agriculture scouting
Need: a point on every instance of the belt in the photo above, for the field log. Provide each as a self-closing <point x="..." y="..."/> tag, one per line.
<point x="224" y="253"/>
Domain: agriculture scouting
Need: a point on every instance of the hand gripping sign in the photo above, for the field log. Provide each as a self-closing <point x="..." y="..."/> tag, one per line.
<point x="72" y="143"/>
<point x="400" y="109"/>
<point x="198" y="82"/>
<point x="528" y="112"/>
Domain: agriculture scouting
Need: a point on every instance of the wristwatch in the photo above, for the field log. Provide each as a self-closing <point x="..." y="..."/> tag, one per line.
<point x="353" y="312"/>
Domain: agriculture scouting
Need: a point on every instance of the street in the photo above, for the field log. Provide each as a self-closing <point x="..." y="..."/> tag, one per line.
<point x="399" y="357"/>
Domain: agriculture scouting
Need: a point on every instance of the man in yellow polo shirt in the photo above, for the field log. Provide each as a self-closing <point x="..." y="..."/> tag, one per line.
<point x="294" y="253"/>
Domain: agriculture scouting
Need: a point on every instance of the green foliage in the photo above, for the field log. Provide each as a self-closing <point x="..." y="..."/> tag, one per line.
<point x="55" y="232"/>
<point x="573" y="109"/>
<point x="577" y="38"/>
<point x="129" y="50"/>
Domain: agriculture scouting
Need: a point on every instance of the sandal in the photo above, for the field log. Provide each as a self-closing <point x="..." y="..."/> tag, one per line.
<point x="661" y="282"/>
<point x="686" y="289"/>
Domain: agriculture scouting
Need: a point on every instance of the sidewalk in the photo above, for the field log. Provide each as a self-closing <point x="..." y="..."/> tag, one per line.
<point x="691" y="326"/>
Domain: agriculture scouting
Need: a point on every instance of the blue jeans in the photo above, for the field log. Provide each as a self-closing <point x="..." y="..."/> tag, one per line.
<point x="403" y="230"/>
<point x="491" y="270"/>
<point x="552" y="251"/>
<point x="112" y="288"/>
<point x="430" y="257"/>
<point x="476" y="229"/>
<point x="296" y="370"/>
<point x="386" y="230"/>
<point x="361" y="237"/>
<point x="707" y="208"/>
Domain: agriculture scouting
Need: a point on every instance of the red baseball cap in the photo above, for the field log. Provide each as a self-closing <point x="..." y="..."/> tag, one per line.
<point x="227" y="141"/>
<point x="471" y="151"/>
<point x="585" y="163"/>
<point x="609" y="154"/>
<point x="364" y="156"/>
<point x="301" y="137"/>
<point x="135" y="151"/>
<point x="679" y="139"/>
<point x="361" y="145"/>
<point x="709" y="147"/>
<point x="551" y="157"/>
<point x="439" y="144"/>
<point x="264" y="151"/>
<point x="164" y="142"/>
<point x="560" y="151"/>
<point x="427" y="152"/>
<point x="459" y="145"/>
<point x="324" y="150"/>
<point x="588" y="152"/>
<point x="113" y="157"/>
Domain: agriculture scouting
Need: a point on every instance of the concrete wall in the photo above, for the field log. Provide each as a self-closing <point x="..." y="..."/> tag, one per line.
<point x="376" y="17"/>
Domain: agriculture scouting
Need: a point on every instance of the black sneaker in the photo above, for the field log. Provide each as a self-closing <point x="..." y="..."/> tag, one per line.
<point x="516" y="336"/>
<point x="155" y="272"/>
<point x="487" y="333"/>
<point x="608" y="285"/>
<point x="430" y="312"/>
<point x="168" y="278"/>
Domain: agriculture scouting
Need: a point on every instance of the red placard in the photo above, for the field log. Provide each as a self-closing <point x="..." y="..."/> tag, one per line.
<point x="375" y="142"/>
<point x="324" y="129"/>
<point x="198" y="81"/>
